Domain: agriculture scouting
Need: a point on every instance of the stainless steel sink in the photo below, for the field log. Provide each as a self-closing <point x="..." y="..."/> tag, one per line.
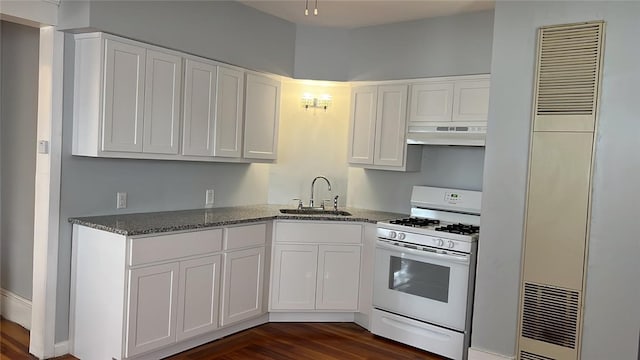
<point x="315" y="212"/>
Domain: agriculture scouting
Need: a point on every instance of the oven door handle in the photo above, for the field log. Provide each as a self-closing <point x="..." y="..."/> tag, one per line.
<point x="462" y="259"/>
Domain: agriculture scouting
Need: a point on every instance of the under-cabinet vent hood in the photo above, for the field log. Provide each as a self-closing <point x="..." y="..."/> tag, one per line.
<point x="447" y="135"/>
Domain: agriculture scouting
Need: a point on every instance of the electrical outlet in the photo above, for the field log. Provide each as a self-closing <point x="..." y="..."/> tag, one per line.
<point x="208" y="201"/>
<point x="121" y="202"/>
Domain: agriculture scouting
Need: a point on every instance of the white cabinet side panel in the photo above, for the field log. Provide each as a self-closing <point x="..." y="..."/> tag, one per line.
<point x="97" y="299"/>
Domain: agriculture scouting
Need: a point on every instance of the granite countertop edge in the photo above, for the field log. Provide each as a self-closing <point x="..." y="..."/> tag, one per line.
<point x="181" y="220"/>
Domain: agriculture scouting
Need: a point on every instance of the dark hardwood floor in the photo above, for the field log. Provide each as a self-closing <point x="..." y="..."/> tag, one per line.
<point x="273" y="341"/>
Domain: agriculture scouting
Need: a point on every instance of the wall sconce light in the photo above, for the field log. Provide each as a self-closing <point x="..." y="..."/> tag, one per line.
<point x="310" y="101"/>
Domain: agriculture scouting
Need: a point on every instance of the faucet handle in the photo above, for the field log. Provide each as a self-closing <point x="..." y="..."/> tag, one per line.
<point x="335" y="203"/>
<point x="324" y="201"/>
<point x="299" y="203"/>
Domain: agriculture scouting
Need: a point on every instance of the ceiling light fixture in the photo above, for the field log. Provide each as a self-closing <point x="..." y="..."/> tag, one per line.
<point x="306" y="8"/>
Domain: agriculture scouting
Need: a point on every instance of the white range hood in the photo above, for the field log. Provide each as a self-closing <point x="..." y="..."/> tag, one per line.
<point x="447" y="135"/>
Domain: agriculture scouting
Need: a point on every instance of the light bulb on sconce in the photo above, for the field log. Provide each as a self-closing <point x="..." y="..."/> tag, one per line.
<point x="310" y="101"/>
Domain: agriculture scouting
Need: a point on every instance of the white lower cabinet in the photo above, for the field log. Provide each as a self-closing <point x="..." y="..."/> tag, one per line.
<point x="152" y="307"/>
<point x="172" y="302"/>
<point x="243" y="285"/>
<point x="338" y="277"/>
<point x="136" y="297"/>
<point x="316" y="267"/>
<point x="293" y="282"/>
<point x="198" y="295"/>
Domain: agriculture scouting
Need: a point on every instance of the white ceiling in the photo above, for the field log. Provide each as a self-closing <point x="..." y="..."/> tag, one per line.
<point x="358" y="13"/>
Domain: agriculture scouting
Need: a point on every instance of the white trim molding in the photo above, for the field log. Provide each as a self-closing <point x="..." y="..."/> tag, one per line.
<point x="476" y="354"/>
<point x="47" y="194"/>
<point x="61" y="348"/>
<point x="15" y="308"/>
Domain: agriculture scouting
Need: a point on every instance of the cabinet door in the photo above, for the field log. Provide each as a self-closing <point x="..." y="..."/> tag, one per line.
<point x="262" y="113"/>
<point x="391" y="125"/>
<point x="338" y="277"/>
<point x="152" y="307"/>
<point x="198" y="296"/>
<point x="293" y="281"/>
<point x="162" y="103"/>
<point x="431" y="102"/>
<point x="471" y="100"/>
<point x="199" y="108"/>
<point x="242" y="286"/>
<point x="123" y="97"/>
<point x="362" y="129"/>
<point x="228" y="129"/>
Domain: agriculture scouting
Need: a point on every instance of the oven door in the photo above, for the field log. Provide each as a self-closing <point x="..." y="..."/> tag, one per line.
<point x="425" y="285"/>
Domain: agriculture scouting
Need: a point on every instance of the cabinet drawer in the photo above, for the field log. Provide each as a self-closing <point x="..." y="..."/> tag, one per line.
<point x="318" y="233"/>
<point x="173" y="246"/>
<point x="245" y="236"/>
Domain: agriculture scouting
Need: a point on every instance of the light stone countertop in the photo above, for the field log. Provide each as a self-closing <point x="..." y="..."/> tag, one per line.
<point x="166" y="221"/>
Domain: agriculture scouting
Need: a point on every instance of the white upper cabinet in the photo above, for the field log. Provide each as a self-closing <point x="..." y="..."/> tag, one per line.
<point x="450" y="101"/>
<point x="471" y="100"/>
<point x="199" y="108"/>
<point x="432" y="101"/>
<point x="134" y="100"/>
<point x="391" y="125"/>
<point x="229" y="106"/>
<point x="123" y="97"/>
<point x="378" y="129"/>
<point x="162" y="102"/>
<point x="362" y="130"/>
<point x="262" y="113"/>
<point x="126" y="98"/>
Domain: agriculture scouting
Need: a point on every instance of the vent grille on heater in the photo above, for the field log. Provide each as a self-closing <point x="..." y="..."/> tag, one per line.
<point x="550" y="314"/>
<point x="524" y="355"/>
<point x="568" y="72"/>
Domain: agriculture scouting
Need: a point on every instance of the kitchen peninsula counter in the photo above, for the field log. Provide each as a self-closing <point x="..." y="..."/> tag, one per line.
<point x="179" y="220"/>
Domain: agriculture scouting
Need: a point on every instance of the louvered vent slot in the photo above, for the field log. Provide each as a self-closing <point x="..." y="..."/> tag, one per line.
<point x="525" y="355"/>
<point x="550" y="314"/>
<point x="568" y="71"/>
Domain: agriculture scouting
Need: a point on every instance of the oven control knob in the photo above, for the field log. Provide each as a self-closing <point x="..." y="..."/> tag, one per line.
<point x="392" y="234"/>
<point x="401" y="236"/>
<point x="451" y="244"/>
<point x="439" y="242"/>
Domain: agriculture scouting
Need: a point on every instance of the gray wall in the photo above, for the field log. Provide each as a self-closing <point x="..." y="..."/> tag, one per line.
<point x="442" y="166"/>
<point x="18" y="131"/>
<point x="451" y="45"/>
<point x="321" y="53"/>
<point x="222" y="30"/>
<point x="611" y="312"/>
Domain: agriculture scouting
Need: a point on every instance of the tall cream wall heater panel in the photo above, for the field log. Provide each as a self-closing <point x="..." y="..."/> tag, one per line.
<point x="556" y="233"/>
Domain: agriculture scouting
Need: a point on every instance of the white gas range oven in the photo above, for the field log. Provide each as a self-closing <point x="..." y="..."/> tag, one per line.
<point x="425" y="271"/>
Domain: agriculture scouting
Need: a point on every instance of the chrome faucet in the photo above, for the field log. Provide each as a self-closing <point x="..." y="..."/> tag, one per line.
<point x="311" y="203"/>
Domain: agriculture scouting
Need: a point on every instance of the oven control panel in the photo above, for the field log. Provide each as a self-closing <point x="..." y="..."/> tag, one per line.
<point x="424" y="240"/>
<point x="453" y="197"/>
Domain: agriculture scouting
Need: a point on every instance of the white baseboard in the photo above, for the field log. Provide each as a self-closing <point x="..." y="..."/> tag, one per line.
<point x="475" y="354"/>
<point x="15" y="308"/>
<point x="61" y="348"/>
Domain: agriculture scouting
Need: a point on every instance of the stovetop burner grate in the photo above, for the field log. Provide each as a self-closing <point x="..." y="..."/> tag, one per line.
<point x="415" y="222"/>
<point x="459" y="228"/>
